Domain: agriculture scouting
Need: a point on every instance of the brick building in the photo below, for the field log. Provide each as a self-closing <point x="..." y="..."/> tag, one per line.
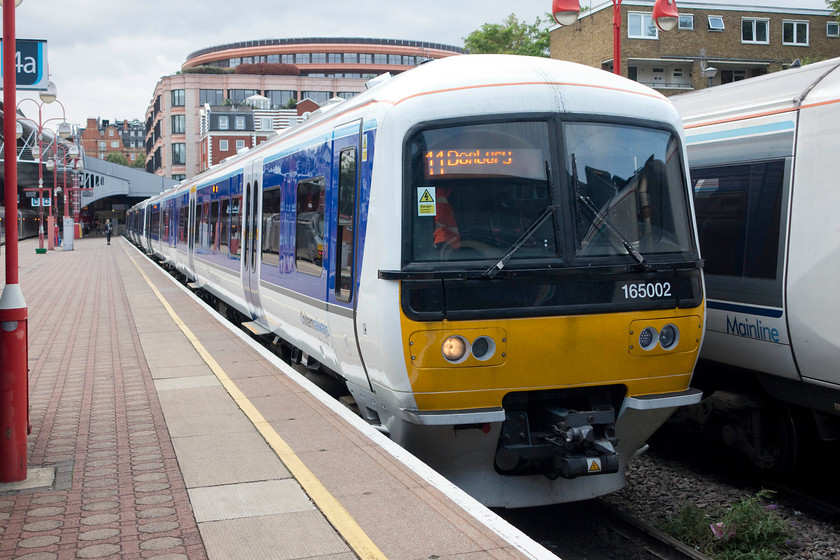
<point x="738" y="42"/>
<point x="101" y="137"/>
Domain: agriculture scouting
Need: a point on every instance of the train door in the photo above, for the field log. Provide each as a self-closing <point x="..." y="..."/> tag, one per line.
<point x="251" y="226"/>
<point x="191" y="226"/>
<point x="348" y="156"/>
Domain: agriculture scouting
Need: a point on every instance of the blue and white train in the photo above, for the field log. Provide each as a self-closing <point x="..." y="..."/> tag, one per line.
<point x="495" y="255"/>
<point x="762" y="154"/>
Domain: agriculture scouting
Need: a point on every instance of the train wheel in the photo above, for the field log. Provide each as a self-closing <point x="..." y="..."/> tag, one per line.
<point x="776" y="439"/>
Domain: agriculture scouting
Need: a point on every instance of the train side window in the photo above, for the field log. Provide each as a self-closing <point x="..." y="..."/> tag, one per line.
<point x="224" y="226"/>
<point x="213" y="230"/>
<point x="235" y="226"/>
<point x="183" y="222"/>
<point x="271" y="222"/>
<point x="346" y="224"/>
<point x="738" y="211"/>
<point x="309" y="230"/>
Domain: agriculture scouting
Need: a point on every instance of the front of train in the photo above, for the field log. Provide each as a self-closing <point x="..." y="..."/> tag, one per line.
<point x="548" y="285"/>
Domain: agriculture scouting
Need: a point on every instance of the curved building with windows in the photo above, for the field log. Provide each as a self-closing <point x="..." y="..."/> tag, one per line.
<point x="180" y="137"/>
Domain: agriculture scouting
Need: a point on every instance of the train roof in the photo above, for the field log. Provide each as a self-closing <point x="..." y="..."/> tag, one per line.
<point x="755" y="96"/>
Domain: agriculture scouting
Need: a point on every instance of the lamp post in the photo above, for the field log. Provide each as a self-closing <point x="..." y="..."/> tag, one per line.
<point x="47" y="96"/>
<point x="14" y="382"/>
<point x="70" y="156"/>
<point x="665" y="16"/>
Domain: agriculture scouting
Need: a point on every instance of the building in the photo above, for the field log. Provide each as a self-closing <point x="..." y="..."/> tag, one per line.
<point x="729" y="41"/>
<point x="101" y="137"/>
<point x="178" y="147"/>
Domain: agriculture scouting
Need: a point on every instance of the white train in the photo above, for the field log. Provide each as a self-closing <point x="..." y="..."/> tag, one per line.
<point x="762" y="155"/>
<point x="495" y="256"/>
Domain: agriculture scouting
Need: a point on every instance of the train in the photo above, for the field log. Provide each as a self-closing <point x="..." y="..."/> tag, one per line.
<point x="27" y="224"/>
<point x="495" y="256"/>
<point x="761" y="154"/>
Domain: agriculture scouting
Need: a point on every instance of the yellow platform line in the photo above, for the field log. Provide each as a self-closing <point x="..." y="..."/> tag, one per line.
<point x="343" y="522"/>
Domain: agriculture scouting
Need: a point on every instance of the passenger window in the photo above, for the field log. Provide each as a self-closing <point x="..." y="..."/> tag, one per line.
<point x="224" y="227"/>
<point x="346" y="224"/>
<point x="235" y="226"/>
<point x="271" y="222"/>
<point x="738" y="211"/>
<point x="214" y="225"/>
<point x="309" y="230"/>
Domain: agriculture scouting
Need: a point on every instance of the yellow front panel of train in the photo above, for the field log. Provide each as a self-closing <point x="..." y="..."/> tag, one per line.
<point x="538" y="353"/>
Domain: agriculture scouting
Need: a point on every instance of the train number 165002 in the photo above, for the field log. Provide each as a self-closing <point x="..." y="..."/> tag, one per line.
<point x="647" y="290"/>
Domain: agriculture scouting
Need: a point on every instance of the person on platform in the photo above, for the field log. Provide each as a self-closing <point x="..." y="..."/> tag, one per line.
<point x="108" y="231"/>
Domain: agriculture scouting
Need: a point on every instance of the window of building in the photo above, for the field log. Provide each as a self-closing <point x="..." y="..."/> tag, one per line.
<point x="224" y="123"/>
<point x="832" y="29"/>
<point x="273" y="58"/>
<point x="334" y="58"/>
<point x="239" y="123"/>
<point x="179" y="124"/>
<point x="132" y="157"/>
<point x="177" y="98"/>
<point x="394" y="59"/>
<point x="755" y="30"/>
<point x="238" y="96"/>
<point x="223" y="145"/>
<point x="302" y="58"/>
<point x="640" y="26"/>
<point x="115" y="144"/>
<point x="716" y="23"/>
<point x="351" y="58"/>
<point x="211" y="96"/>
<point x="795" y="33"/>
<point x="366" y="58"/>
<point x="265" y="123"/>
<point x="110" y="132"/>
<point x="101" y="145"/>
<point x="380" y="59"/>
<point x="287" y="58"/>
<point x="279" y="97"/>
<point x="179" y="154"/>
<point x="686" y="21"/>
<point x="316" y="96"/>
<point x="319" y="58"/>
<point x="240" y="144"/>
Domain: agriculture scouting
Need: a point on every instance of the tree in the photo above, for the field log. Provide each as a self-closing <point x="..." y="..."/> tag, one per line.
<point x="511" y="37"/>
<point x="834" y="6"/>
<point x="118" y="158"/>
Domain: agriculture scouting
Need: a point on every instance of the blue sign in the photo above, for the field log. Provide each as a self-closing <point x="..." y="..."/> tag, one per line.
<point x="30" y="64"/>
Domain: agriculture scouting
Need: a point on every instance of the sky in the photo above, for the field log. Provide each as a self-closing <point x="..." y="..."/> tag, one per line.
<point x="106" y="56"/>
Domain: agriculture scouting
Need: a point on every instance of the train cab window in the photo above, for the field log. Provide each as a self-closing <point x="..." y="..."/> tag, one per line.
<point x="346" y="221"/>
<point x="309" y="228"/>
<point x="474" y="190"/>
<point x="629" y="185"/>
<point x="271" y="223"/>
<point x="738" y="210"/>
<point x="235" y="226"/>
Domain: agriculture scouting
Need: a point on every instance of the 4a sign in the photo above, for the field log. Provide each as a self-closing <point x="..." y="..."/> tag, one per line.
<point x="30" y="64"/>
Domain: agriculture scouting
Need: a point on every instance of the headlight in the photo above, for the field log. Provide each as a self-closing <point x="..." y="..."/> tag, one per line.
<point x="669" y="336"/>
<point x="483" y="348"/>
<point x="648" y="338"/>
<point x="455" y="349"/>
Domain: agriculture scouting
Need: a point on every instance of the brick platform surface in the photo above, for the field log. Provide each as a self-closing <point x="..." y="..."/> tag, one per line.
<point x="96" y="420"/>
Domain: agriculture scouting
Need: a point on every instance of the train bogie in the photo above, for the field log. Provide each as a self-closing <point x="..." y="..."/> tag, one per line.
<point x="495" y="255"/>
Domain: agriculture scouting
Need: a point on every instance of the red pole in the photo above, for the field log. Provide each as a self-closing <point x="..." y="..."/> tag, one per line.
<point x="617" y="37"/>
<point x="14" y="381"/>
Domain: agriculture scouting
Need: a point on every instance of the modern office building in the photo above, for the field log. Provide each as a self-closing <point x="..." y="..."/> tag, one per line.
<point x="713" y="43"/>
<point x="321" y="69"/>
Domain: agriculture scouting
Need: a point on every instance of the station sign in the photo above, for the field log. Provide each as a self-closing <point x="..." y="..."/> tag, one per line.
<point x="30" y="64"/>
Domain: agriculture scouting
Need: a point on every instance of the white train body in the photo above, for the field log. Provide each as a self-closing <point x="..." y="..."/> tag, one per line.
<point x="323" y="238"/>
<point x="763" y="154"/>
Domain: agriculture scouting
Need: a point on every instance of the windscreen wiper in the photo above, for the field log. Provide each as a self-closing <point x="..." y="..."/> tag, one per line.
<point x="548" y="211"/>
<point x="637" y="256"/>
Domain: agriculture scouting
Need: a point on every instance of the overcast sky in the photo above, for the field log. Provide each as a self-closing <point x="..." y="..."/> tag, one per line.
<point x="106" y="56"/>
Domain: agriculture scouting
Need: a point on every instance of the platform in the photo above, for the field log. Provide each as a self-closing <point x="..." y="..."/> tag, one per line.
<point x="159" y="431"/>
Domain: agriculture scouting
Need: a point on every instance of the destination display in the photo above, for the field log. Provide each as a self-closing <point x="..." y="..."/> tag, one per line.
<point x="485" y="162"/>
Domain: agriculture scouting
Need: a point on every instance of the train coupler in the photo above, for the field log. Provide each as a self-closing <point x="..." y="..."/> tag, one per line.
<point x="559" y="442"/>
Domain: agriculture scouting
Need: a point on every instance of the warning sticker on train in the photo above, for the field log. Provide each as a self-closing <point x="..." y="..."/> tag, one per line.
<point x="426" y="201"/>
<point x="593" y="465"/>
